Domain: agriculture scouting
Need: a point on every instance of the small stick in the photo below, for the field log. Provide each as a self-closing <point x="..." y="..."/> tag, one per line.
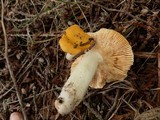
<point x="147" y="58"/>
<point x="116" y="10"/>
<point x="82" y="52"/>
<point x="158" y="96"/>
<point x="97" y="115"/>
<point x="113" y="106"/>
<point x="145" y="55"/>
<point x="8" y="62"/>
<point x="83" y="15"/>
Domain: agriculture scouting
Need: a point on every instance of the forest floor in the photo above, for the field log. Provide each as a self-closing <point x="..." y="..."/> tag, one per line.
<point x="33" y="68"/>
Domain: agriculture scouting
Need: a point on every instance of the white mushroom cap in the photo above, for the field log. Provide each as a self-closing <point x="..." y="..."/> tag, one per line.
<point x="117" y="57"/>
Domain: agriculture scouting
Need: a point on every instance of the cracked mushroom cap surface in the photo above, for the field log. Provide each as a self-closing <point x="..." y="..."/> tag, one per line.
<point x="117" y="57"/>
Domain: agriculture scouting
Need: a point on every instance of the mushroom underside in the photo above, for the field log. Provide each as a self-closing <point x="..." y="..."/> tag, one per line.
<point x="117" y="57"/>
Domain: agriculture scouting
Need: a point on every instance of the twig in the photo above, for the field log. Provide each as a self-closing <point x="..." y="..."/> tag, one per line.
<point x="3" y="89"/>
<point x="134" y="109"/>
<point x="32" y="96"/>
<point x="113" y="106"/>
<point x="158" y="96"/>
<point x="83" y="16"/>
<point x="147" y="58"/>
<point x="8" y="91"/>
<point x="145" y="55"/>
<point x="8" y="63"/>
<point x="52" y="34"/>
<point x="92" y="110"/>
<point x="115" y="10"/>
<point x="82" y="52"/>
<point x="16" y="20"/>
<point x="34" y="101"/>
<point x="119" y="103"/>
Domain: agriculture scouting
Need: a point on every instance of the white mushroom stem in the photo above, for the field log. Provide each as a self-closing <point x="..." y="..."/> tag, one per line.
<point x="77" y="84"/>
<point x="69" y="56"/>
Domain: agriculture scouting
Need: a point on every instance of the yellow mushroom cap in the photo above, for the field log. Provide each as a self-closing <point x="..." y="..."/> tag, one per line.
<point x="117" y="57"/>
<point x="67" y="46"/>
<point x="74" y="40"/>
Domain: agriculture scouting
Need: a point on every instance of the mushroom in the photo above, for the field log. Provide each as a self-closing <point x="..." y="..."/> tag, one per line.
<point x="109" y="60"/>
